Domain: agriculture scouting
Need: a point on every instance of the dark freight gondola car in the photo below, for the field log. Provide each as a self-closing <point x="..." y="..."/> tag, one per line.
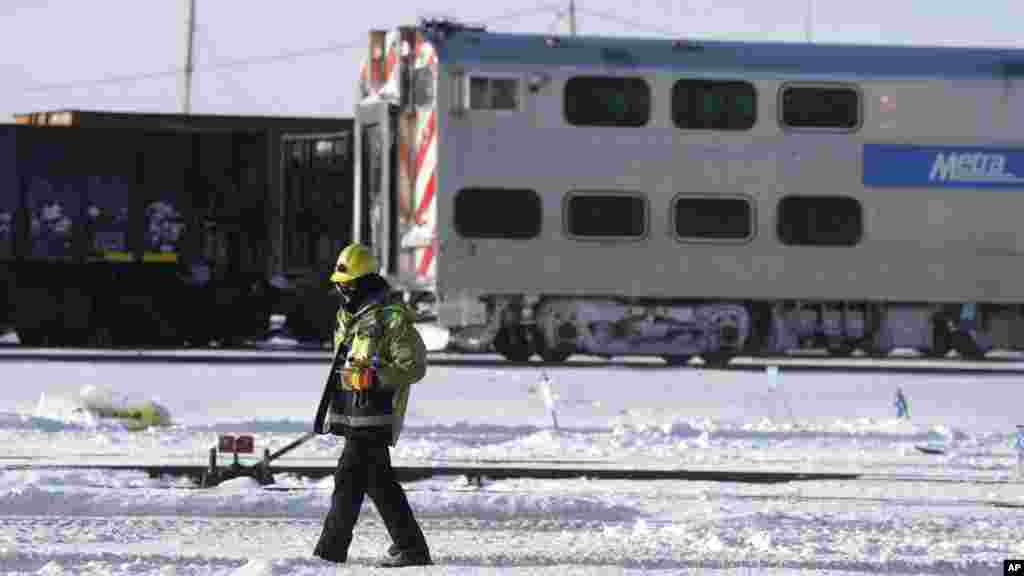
<point x="148" y="236"/>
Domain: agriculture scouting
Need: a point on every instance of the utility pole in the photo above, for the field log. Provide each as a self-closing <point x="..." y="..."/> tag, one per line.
<point x="809" y="23"/>
<point x="572" y="17"/>
<point x="185" y="79"/>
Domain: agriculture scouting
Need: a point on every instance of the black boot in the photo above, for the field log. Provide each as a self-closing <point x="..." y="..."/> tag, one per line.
<point x="331" y="554"/>
<point x="408" y="557"/>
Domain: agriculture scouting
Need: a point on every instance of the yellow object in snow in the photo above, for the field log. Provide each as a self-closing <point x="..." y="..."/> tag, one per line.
<point x="138" y="417"/>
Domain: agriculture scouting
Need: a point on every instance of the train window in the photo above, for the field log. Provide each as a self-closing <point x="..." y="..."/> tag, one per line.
<point x="713" y="105"/>
<point x="607" y="101"/>
<point x="821" y="107"/>
<point x="512" y="213"/>
<point x="606" y="215"/>
<point x="486" y="93"/>
<point x="708" y="218"/>
<point x="820" y="221"/>
<point x="423" y="86"/>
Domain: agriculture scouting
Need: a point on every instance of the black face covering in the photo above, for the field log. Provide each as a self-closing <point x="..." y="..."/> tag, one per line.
<point x="361" y="291"/>
<point x="345" y="293"/>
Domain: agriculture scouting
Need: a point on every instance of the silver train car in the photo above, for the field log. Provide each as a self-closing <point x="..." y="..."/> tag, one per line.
<point x="554" y="195"/>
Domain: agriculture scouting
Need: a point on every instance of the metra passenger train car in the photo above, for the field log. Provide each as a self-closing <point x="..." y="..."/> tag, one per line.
<point x="685" y="198"/>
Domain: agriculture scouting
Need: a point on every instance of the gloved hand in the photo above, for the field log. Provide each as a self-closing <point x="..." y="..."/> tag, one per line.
<point x="360" y="374"/>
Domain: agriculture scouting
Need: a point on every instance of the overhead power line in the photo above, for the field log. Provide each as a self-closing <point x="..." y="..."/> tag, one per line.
<point x="118" y="79"/>
<point x="282" y="56"/>
<point x="640" y="26"/>
<point x="285" y="56"/>
<point x="541" y="8"/>
<point x="223" y="65"/>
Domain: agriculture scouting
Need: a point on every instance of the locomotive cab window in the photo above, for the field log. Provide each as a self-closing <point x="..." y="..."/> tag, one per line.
<point x="835" y="107"/>
<point x="423" y="86"/>
<point x="490" y="93"/>
<point x="820" y="221"/>
<point x="607" y="101"/>
<point x="510" y="213"/>
<point x="606" y="215"/>
<point x="713" y="105"/>
<point x="706" y="218"/>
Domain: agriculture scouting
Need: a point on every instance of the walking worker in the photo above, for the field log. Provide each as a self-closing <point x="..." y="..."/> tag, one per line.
<point x="385" y="356"/>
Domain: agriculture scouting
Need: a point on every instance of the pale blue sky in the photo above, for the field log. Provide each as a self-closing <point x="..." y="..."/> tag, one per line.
<point x="55" y="53"/>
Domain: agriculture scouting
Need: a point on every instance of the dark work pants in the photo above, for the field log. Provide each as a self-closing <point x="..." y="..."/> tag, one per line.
<point x="365" y="468"/>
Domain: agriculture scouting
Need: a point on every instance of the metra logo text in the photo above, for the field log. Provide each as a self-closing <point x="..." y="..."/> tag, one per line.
<point x="971" y="167"/>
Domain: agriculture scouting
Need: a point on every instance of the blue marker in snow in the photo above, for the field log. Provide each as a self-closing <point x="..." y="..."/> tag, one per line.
<point x="902" y="406"/>
<point x="1020" y="451"/>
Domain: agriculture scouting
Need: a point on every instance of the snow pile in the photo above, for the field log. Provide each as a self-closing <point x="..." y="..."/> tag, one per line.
<point x="94" y="406"/>
<point x="18" y="421"/>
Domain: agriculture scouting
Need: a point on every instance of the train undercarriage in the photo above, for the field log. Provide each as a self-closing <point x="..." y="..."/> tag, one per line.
<point x="554" y="328"/>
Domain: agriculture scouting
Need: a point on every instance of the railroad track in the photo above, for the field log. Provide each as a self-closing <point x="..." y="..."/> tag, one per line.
<point x="794" y="363"/>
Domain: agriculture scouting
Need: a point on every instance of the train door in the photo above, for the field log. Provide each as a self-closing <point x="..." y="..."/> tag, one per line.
<point x="376" y="219"/>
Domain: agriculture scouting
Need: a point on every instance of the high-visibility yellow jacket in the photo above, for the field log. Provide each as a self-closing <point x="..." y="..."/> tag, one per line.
<point x="383" y="335"/>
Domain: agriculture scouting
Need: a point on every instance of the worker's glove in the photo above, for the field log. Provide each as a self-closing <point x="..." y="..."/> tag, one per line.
<point x="359" y="375"/>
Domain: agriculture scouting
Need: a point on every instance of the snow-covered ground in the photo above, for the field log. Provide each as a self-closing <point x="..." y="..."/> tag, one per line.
<point x="911" y="513"/>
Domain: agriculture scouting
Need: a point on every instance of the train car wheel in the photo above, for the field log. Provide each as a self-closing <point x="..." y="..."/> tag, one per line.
<point x="718" y="359"/>
<point x="941" y="340"/>
<point x="965" y="346"/>
<point x="513" y="343"/>
<point x="839" y="348"/>
<point x="548" y="353"/>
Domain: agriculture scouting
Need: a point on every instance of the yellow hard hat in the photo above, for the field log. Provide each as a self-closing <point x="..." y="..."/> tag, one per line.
<point x="354" y="261"/>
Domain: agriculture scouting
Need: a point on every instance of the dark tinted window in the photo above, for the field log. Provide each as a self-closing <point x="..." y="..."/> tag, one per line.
<point x="607" y="101"/>
<point x="713" y="105"/>
<point x="713" y="218"/>
<point x="820" y="107"/>
<point x="820" y="221"/>
<point x="497" y="213"/>
<point x="606" y="215"/>
<point x="493" y="93"/>
<point x="423" y="86"/>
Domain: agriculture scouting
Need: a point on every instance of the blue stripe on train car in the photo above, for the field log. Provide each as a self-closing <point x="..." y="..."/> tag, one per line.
<point x="906" y="166"/>
<point x="697" y="55"/>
